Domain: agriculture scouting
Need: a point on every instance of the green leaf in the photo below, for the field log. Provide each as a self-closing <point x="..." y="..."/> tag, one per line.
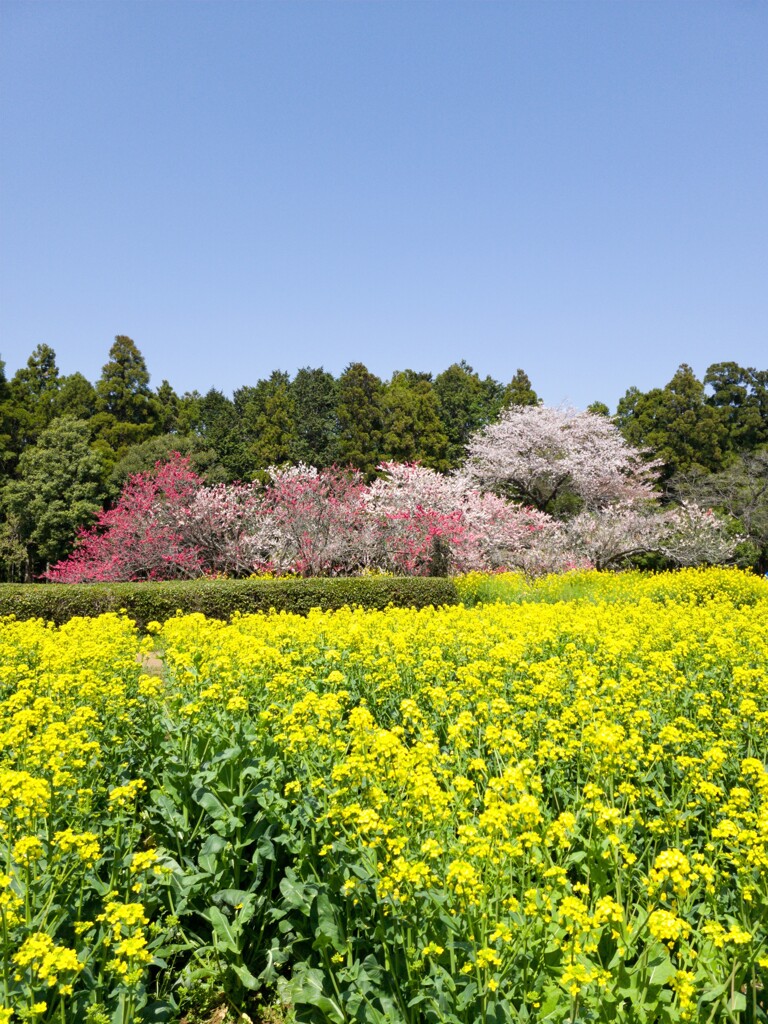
<point x="211" y="803"/>
<point x="227" y="755"/>
<point x="738" y="1002"/>
<point x="222" y="930"/>
<point x="208" y="858"/>
<point x="295" y="893"/>
<point x="306" y="986"/>
<point x="232" y="897"/>
<point x="711" y="994"/>
<point x="246" y="978"/>
<point x="465" y="997"/>
<point x="327" y="930"/>
<point x="552" y="999"/>
<point x="661" y="971"/>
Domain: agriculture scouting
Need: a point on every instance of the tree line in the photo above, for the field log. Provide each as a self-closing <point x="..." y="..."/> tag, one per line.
<point x="67" y="446"/>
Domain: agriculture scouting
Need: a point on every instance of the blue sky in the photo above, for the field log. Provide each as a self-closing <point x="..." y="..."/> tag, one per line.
<point x="578" y="189"/>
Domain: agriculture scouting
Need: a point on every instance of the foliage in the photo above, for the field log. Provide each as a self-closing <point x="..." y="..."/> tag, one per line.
<point x="467" y="403"/>
<point x="520" y="391"/>
<point x="266" y="425"/>
<point x="123" y="389"/>
<point x="359" y="412"/>
<point x="314" y="392"/>
<point x="59" y="489"/>
<point x="691" y="430"/>
<point x="412" y="427"/>
<point x="220" y="598"/>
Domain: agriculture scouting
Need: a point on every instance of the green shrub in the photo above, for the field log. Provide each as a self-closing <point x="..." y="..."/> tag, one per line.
<point x="147" y="602"/>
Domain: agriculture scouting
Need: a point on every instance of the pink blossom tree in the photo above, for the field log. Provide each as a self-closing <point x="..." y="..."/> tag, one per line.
<point x="227" y="525"/>
<point x="313" y="521"/>
<point x="481" y="531"/>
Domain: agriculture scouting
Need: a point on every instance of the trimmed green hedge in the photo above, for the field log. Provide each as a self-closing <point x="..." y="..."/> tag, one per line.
<point x="145" y="602"/>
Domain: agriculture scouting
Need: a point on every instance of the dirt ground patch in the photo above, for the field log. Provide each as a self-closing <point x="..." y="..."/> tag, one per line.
<point x="152" y="664"/>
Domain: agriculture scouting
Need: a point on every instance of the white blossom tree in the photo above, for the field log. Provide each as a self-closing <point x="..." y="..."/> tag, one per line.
<point x="535" y="454"/>
<point x="696" y="536"/>
<point x="607" y="537"/>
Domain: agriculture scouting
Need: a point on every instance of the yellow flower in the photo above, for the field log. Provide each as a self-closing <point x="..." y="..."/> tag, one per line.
<point x="667" y="928"/>
<point x="125" y="795"/>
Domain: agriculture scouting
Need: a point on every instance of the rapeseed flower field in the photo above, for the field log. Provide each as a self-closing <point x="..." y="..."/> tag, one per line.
<point x="520" y="809"/>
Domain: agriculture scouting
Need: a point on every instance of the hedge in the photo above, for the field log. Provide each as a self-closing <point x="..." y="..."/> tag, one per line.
<point x="147" y="602"/>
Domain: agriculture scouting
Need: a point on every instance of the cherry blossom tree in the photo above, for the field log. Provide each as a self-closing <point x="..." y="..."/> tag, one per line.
<point x="536" y="454"/>
<point x="605" y="537"/>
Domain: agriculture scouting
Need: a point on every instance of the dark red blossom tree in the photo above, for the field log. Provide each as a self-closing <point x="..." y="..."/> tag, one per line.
<point x="140" y="538"/>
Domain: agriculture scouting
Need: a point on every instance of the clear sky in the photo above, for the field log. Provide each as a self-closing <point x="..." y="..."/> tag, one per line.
<point x="578" y="189"/>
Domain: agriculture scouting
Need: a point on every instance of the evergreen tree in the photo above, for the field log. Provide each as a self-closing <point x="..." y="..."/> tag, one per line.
<point x="36" y="383"/>
<point x="123" y="389"/>
<point x="126" y="409"/>
<point x="265" y="425"/>
<point x="188" y="414"/>
<point x="76" y="397"/>
<point x="413" y="430"/>
<point x="359" y="415"/>
<point x="314" y="392"/>
<point x="676" y="424"/>
<point x="599" y="409"/>
<point x="216" y="422"/>
<point x="33" y="392"/>
<point x="741" y="396"/>
<point x="520" y="391"/>
<point x="275" y="431"/>
<point x="167" y="409"/>
<point x="7" y="452"/>
<point x="466" y="404"/>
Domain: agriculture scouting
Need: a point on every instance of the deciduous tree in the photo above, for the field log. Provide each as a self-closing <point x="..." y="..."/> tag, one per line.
<point x="140" y="538"/>
<point x="535" y="454"/>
